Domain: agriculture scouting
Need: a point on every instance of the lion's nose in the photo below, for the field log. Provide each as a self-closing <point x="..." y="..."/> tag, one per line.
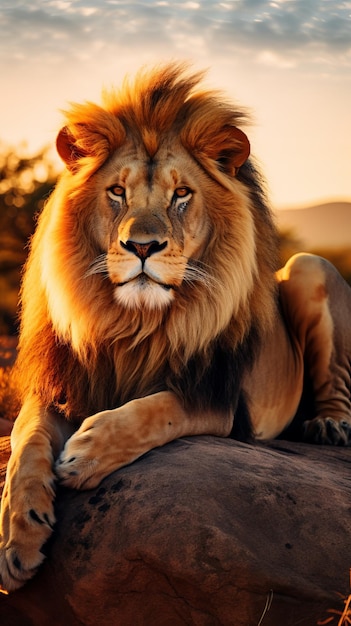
<point x="143" y="250"/>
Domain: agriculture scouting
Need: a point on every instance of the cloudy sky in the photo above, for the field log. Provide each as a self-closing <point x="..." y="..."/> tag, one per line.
<point x="289" y="61"/>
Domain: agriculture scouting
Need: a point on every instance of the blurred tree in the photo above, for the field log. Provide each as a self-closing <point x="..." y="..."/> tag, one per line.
<point x="25" y="183"/>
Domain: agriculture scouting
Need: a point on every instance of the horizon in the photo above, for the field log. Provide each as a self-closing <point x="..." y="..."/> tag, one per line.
<point x="317" y="203"/>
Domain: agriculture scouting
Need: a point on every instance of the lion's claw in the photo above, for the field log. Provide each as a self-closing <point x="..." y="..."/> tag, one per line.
<point x="13" y="572"/>
<point x="103" y="443"/>
<point x="27" y="521"/>
<point x="327" y="430"/>
<point x="77" y="471"/>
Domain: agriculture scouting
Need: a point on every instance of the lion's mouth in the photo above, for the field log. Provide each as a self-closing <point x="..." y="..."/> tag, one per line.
<point x="143" y="292"/>
<point x="142" y="281"/>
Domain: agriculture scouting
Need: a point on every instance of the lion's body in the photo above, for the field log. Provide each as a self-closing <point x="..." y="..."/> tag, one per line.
<point x="151" y="303"/>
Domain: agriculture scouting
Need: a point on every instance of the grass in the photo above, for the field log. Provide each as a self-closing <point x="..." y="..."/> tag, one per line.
<point x="344" y="616"/>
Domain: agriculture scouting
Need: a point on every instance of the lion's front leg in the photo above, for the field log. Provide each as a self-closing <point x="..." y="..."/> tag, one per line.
<point x="111" y="439"/>
<point x="27" y="506"/>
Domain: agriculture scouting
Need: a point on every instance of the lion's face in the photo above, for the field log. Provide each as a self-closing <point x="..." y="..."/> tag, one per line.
<point x="150" y="223"/>
<point x="157" y="231"/>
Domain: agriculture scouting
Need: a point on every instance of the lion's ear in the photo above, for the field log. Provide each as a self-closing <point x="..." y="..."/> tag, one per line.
<point x="67" y="148"/>
<point x="235" y="150"/>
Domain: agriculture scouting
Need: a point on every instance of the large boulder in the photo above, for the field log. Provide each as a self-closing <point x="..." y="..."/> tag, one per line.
<point x="203" y="532"/>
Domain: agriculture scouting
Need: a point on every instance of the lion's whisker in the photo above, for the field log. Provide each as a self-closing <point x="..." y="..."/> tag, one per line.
<point x="98" y="266"/>
<point x="195" y="273"/>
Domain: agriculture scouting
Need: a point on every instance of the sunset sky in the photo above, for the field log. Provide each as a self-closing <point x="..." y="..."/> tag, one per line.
<point x="288" y="61"/>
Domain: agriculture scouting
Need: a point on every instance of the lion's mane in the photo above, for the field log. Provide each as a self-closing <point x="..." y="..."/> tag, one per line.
<point x="80" y="351"/>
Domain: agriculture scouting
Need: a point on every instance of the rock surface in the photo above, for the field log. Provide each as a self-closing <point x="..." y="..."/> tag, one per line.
<point x="203" y="532"/>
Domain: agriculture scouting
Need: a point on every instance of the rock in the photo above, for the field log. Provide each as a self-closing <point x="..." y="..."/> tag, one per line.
<point x="203" y="532"/>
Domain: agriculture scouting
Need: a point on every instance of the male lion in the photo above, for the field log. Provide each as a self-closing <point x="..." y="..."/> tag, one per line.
<point x="150" y="302"/>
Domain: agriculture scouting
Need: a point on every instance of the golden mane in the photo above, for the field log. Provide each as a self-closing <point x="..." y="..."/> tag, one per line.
<point x="80" y="350"/>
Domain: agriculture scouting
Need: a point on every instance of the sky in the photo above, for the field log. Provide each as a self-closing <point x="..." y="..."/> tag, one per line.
<point x="288" y="61"/>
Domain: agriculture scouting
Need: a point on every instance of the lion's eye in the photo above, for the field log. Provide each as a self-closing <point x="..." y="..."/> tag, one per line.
<point x="117" y="192"/>
<point x="182" y="192"/>
<point x="181" y="198"/>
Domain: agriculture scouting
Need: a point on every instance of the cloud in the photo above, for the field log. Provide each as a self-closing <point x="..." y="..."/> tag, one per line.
<point x="288" y="26"/>
<point x="285" y="32"/>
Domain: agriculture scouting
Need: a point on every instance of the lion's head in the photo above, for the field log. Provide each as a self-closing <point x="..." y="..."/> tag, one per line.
<point x="157" y="241"/>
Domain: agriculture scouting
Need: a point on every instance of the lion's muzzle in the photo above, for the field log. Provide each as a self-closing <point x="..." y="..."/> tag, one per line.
<point x="143" y="250"/>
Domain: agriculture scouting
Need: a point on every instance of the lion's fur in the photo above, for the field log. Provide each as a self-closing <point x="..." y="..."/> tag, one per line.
<point x="151" y="309"/>
<point x="83" y="352"/>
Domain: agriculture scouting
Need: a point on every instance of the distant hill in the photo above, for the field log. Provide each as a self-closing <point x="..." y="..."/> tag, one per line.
<point x="322" y="226"/>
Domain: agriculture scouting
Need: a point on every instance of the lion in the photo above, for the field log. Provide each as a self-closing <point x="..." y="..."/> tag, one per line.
<point x="153" y="306"/>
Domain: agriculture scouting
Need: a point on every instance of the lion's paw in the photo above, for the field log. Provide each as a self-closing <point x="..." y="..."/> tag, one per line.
<point x="18" y="563"/>
<point x="26" y="524"/>
<point x="82" y="463"/>
<point x="328" y="430"/>
<point x="104" y="442"/>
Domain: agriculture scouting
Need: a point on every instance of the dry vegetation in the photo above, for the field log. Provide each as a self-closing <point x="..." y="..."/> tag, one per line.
<point x="344" y="617"/>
